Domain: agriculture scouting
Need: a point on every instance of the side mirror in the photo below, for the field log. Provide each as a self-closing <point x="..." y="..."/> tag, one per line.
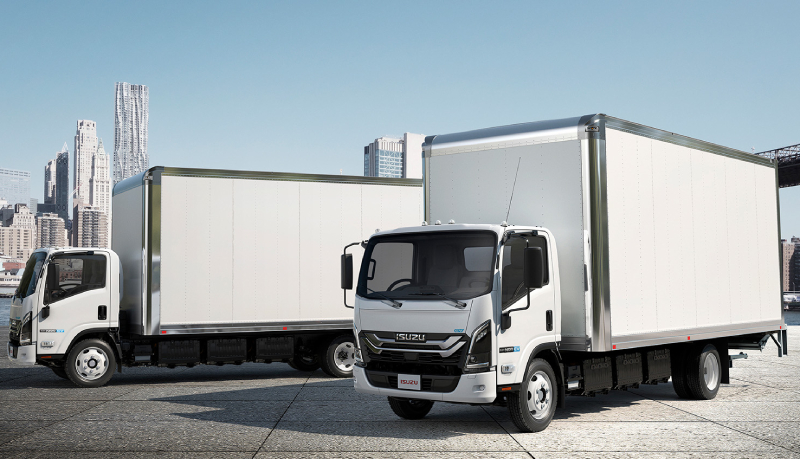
<point x="347" y="271"/>
<point x="533" y="269"/>
<point x="51" y="283"/>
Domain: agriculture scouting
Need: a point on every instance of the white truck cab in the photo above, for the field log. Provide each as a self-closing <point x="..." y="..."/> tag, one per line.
<point x="65" y="295"/>
<point x="434" y="307"/>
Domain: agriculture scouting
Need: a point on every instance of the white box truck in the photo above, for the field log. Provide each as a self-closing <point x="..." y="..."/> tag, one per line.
<point x="571" y="256"/>
<point x="207" y="266"/>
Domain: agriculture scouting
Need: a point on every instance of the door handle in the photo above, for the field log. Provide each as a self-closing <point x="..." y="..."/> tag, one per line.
<point x="102" y="313"/>
<point x="548" y="320"/>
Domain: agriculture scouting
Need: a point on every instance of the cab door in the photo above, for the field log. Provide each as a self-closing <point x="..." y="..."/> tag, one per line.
<point x="529" y="327"/>
<point x="77" y="298"/>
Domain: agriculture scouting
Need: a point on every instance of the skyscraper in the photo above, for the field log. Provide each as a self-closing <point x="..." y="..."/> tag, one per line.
<point x="100" y="182"/>
<point x="15" y="186"/>
<point x="62" y="183"/>
<point x="396" y="158"/>
<point x="85" y="149"/>
<point x="50" y="182"/>
<point x="131" y="112"/>
<point x="50" y="231"/>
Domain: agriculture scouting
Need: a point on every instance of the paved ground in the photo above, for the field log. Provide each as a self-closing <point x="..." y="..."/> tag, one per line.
<point x="264" y="411"/>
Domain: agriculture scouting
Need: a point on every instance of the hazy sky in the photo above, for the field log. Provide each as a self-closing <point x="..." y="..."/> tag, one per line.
<point x="302" y="87"/>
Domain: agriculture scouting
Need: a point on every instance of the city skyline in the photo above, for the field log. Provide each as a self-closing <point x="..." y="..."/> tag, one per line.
<point x="280" y="87"/>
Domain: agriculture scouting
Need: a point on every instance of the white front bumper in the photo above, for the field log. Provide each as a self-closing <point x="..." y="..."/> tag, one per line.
<point x="467" y="391"/>
<point x="23" y="355"/>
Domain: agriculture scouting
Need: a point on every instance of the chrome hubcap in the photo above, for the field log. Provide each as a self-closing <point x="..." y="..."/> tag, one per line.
<point x="92" y="363"/>
<point x="540" y="395"/>
<point x="344" y="356"/>
<point x="711" y="371"/>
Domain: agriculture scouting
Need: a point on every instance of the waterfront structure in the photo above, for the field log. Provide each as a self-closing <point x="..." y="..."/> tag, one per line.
<point x="18" y="231"/>
<point x="85" y="149"/>
<point x="89" y="227"/>
<point x="50" y="231"/>
<point x="131" y="113"/>
<point x="394" y="157"/>
<point x="15" y="186"/>
<point x="62" y="183"/>
<point x="791" y="264"/>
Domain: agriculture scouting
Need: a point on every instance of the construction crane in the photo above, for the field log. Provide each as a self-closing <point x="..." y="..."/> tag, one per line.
<point x="788" y="159"/>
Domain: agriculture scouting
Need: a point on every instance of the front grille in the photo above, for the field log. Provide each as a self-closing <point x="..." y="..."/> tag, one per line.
<point x="416" y="357"/>
<point x="430" y="383"/>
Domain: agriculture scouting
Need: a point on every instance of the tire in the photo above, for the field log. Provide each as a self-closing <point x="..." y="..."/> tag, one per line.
<point x="410" y="408"/>
<point x="337" y="357"/>
<point x="60" y="372"/>
<point x="678" y="367"/>
<point x="304" y="362"/>
<point x="90" y="363"/>
<point x="703" y="372"/>
<point x="533" y="407"/>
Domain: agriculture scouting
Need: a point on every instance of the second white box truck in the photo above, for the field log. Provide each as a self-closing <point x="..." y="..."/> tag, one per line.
<point x="631" y="255"/>
<point x="207" y="266"/>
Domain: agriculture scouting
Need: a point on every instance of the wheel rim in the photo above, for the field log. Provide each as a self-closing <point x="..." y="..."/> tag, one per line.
<point x="91" y="363"/>
<point x="711" y="371"/>
<point x="344" y="356"/>
<point x="540" y="395"/>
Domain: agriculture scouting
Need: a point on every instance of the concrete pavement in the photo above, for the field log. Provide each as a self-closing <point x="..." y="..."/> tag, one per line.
<point x="266" y="411"/>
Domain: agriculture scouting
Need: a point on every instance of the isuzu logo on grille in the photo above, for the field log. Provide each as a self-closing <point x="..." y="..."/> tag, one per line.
<point x="410" y="337"/>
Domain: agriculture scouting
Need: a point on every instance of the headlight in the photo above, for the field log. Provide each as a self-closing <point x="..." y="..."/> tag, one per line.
<point x="479" y="356"/>
<point x="357" y="353"/>
<point x="25" y="333"/>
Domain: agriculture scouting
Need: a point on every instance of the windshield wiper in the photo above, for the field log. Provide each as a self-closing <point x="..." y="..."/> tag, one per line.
<point x="456" y="303"/>
<point x="391" y="302"/>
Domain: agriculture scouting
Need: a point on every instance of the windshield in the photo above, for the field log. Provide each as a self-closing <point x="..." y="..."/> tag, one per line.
<point x="446" y="264"/>
<point x="30" y="277"/>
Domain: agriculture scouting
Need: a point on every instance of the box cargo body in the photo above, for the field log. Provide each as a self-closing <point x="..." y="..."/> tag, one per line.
<point x="207" y="251"/>
<point x="661" y="238"/>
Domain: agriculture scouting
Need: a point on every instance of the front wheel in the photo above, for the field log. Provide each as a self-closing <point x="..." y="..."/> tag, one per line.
<point x="533" y="407"/>
<point x="90" y="363"/>
<point x="60" y="372"/>
<point x="410" y="408"/>
<point x="337" y="357"/>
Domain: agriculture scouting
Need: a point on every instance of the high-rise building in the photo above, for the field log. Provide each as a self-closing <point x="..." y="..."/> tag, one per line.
<point x="131" y="113"/>
<point x="89" y="227"/>
<point x="50" y="182"/>
<point x="791" y="265"/>
<point x="100" y="181"/>
<point x="85" y="149"/>
<point x="18" y="231"/>
<point x="50" y="231"/>
<point x="15" y="186"/>
<point x="393" y="157"/>
<point x="62" y="183"/>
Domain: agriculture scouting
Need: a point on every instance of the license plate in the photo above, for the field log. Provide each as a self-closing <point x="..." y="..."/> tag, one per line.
<point x="412" y="382"/>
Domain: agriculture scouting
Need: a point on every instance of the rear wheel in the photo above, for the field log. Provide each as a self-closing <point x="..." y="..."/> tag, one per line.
<point x="337" y="357"/>
<point x="533" y="407"/>
<point x="304" y="362"/>
<point x="704" y="373"/>
<point x="90" y="363"/>
<point x="678" y="364"/>
<point x="410" y="408"/>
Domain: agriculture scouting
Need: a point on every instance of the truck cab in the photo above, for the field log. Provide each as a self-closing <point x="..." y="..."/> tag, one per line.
<point x="458" y="313"/>
<point x="65" y="312"/>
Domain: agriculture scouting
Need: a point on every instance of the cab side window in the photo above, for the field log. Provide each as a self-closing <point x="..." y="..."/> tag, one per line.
<point x="513" y="287"/>
<point x="71" y="275"/>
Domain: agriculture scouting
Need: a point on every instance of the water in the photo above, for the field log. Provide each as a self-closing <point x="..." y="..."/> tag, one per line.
<point x="5" y="306"/>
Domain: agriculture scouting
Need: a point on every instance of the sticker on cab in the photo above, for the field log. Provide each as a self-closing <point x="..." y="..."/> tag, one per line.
<point x="509" y="349"/>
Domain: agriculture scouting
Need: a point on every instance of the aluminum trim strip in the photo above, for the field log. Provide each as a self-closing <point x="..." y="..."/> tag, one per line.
<point x="443" y="354"/>
<point x="677" y="139"/>
<point x="601" y="297"/>
<point x="250" y="327"/>
<point x="283" y="176"/>
<point x="679" y="336"/>
<point x="443" y="344"/>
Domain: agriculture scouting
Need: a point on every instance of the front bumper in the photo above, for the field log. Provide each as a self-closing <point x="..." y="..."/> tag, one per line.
<point x="467" y="391"/>
<point x="22" y="355"/>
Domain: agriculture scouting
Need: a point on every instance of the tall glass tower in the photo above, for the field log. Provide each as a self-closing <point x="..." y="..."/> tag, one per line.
<point x="131" y="113"/>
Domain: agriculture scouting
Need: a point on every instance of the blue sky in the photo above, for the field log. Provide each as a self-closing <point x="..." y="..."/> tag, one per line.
<point x="303" y="86"/>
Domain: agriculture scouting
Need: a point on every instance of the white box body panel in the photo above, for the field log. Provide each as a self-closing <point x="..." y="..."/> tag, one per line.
<point x="260" y="252"/>
<point x="692" y="237"/>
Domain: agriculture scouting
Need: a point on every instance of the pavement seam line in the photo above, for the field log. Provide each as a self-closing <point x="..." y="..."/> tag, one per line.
<point x="279" y="419"/>
<point x="507" y="432"/>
